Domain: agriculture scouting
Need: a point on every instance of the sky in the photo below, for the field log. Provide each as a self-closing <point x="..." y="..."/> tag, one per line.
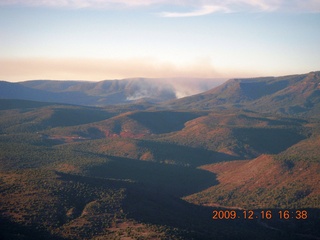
<point x="115" y="39"/>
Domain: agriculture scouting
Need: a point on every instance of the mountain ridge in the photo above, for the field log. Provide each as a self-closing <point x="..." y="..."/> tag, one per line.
<point x="289" y="95"/>
<point x="106" y="92"/>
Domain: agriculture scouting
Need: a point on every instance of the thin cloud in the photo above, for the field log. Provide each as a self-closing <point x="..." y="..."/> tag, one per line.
<point x="205" y="10"/>
<point x="261" y="5"/>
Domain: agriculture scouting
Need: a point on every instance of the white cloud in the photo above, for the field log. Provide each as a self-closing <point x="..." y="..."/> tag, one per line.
<point x="261" y="5"/>
<point x="205" y="10"/>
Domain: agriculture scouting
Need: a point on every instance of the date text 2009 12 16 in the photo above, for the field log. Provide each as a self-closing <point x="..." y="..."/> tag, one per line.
<point x="261" y="214"/>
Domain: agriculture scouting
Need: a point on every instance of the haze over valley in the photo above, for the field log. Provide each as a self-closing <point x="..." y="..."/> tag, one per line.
<point x="106" y="92"/>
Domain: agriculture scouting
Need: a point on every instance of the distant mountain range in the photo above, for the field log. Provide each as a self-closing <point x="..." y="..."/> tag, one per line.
<point x="291" y="95"/>
<point x="106" y="92"/>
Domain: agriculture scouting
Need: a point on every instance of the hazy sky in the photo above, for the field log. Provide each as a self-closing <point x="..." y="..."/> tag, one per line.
<point x="108" y="39"/>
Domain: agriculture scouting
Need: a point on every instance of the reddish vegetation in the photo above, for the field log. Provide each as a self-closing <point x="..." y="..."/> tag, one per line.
<point x="264" y="172"/>
<point x="247" y="174"/>
<point x="141" y="230"/>
<point x="109" y="134"/>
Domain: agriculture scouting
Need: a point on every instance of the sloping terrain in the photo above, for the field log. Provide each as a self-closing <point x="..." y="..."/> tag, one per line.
<point x="264" y="182"/>
<point x="240" y="134"/>
<point x="136" y="124"/>
<point x="82" y="190"/>
<point x="17" y="91"/>
<point x="29" y="116"/>
<point x="291" y="95"/>
<point x="129" y="172"/>
<point x="106" y="92"/>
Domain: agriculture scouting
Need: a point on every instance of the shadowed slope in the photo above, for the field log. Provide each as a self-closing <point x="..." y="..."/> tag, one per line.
<point x="289" y="179"/>
<point x="241" y="134"/>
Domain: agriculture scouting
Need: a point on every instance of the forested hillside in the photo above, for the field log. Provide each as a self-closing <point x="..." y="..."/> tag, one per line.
<point x="71" y="172"/>
<point x="232" y="163"/>
<point x="294" y="95"/>
<point x="107" y="92"/>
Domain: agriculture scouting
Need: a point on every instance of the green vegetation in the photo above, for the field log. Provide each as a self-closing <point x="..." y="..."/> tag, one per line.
<point x="295" y="95"/>
<point x="72" y="172"/>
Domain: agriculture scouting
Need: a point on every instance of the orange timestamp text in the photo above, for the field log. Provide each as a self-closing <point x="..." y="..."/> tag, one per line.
<point x="259" y="214"/>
